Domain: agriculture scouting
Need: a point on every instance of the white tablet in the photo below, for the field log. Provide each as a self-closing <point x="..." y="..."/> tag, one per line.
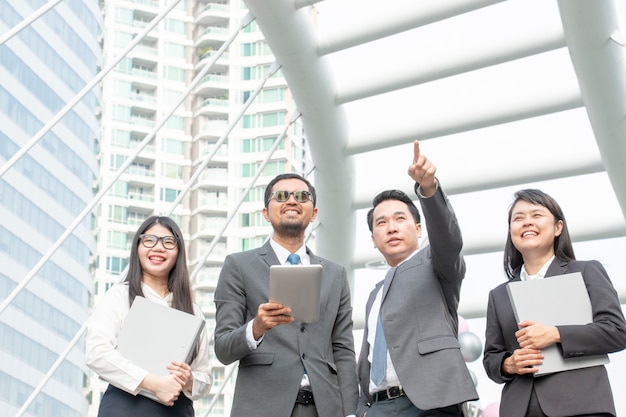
<point x="298" y="287"/>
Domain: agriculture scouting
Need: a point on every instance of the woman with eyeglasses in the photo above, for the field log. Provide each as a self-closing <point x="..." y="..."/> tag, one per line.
<point x="157" y="270"/>
<point x="539" y="246"/>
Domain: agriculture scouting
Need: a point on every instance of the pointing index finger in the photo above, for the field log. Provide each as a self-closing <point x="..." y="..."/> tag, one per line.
<point x="416" y="151"/>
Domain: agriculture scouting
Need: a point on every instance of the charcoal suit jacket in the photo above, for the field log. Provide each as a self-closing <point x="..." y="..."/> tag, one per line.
<point x="567" y="393"/>
<point x="269" y="376"/>
<point x="419" y="317"/>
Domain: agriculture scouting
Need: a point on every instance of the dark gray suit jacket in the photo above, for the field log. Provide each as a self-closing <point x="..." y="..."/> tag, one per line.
<point x="269" y="377"/>
<point x="419" y="314"/>
<point x="569" y="393"/>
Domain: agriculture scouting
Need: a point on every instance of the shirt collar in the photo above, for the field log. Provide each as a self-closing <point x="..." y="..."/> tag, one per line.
<point x="150" y="293"/>
<point x="539" y="275"/>
<point x="422" y="246"/>
<point x="282" y="253"/>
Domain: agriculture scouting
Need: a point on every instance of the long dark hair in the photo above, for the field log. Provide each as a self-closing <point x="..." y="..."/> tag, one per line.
<point x="563" y="249"/>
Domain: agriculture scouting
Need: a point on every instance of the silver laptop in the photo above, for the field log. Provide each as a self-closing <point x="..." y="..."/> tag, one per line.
<point x="153" y="335"/>
<point x="556" y="300"/>
<point x="298" y="287"/>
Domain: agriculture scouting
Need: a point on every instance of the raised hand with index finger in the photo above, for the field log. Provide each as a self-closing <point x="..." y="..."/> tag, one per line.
<point x="423" y="171"/>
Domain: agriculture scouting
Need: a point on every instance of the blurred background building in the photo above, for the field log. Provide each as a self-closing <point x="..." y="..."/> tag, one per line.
<point x="42" y="69"/>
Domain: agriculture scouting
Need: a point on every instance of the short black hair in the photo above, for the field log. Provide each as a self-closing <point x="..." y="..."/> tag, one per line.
<point x="393" y="195"/>
<point x="288" y="176"/>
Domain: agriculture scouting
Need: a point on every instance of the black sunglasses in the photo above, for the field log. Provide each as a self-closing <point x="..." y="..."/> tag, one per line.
<point x="300" y="196"/>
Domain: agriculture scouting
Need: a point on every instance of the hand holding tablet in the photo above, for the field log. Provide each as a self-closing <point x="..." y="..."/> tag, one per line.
<point x="297" y="287"/>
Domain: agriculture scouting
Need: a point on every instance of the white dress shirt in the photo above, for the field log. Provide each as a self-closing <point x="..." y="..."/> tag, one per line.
<point x="539" y="275"/>
<point x="281" y="254"/>
<point x="391" y="378"/>
<point x="104" y="325"/>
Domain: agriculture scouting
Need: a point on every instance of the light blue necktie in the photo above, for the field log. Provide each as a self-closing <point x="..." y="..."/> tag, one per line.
<point x="379" y="356"/>
<point x="293" y="258"/>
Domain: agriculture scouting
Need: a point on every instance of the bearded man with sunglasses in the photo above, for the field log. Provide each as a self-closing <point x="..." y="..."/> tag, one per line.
<point x="286" y="368"/>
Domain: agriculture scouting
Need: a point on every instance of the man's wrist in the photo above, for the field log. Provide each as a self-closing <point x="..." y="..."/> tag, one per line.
<point x="423" y="192"/>
<point x="250" y="339"/>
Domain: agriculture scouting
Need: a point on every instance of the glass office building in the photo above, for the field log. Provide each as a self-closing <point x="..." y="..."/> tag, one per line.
<point x="42" y="193"/>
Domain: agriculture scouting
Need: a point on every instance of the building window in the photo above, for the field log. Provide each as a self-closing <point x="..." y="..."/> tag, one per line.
<point x="174" y="73"/>
<point x="117" y="240"/>
<point x="121" y="113"/>
<point x="115" y="265"/>
<point x="168" y="194"/>
<point x="274" y="168"/>
<point x="252" y="220"/>
<point x="175" y="50"/>
<point x="172" y="171"/>
<point x="172" y="146"/>
<point x="175" y="123"/>
<point x="246" y="73"/>
<point x="263" y="144"/>
<point x="248" y="170"/>
<point x="272" y="95"/>
<point x="118" y="214"/>
<point x="273" y="119"/>
<point x="175" y="26"/>
<point x="252" y="243"/>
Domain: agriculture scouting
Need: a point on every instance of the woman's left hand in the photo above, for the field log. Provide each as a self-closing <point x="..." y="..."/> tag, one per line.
<point x="182" y="372"/>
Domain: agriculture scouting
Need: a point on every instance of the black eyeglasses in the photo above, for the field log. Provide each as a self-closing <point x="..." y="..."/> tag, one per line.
<point x="150" y="241"/>
<point x="300" y="196"/>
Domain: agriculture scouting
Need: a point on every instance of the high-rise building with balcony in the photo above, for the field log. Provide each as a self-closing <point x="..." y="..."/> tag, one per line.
<point x="204" y="156"/>
<point x="43" y="192"/>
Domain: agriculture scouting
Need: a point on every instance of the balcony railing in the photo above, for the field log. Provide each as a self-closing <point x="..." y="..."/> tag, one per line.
<point x="215" y="7"/>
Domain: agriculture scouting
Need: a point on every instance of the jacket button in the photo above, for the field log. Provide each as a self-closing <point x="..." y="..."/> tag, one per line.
<point x="303" y="329"/>
<point x="304" y="356"/>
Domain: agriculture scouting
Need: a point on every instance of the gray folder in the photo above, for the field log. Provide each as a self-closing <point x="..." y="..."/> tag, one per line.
<point x="298" y="287"/>
<point x="553" y="301"/>
<point x="153" y="335"/>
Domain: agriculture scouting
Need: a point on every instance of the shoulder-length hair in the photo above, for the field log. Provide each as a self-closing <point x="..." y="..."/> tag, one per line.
<point x="178" y="281"/>
<point x="563" y="249"/>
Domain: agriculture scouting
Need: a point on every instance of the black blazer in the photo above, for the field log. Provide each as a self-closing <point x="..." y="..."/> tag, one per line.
<point x="568" y="393"/>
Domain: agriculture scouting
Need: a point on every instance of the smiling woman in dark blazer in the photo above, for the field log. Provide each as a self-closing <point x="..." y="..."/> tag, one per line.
<point x="539" y="246"/>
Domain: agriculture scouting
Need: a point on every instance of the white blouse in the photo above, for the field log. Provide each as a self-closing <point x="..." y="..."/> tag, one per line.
<point x="105" y="323"/>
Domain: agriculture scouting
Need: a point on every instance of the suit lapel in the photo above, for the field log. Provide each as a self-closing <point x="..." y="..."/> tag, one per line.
<point x="372" y="297"/>
<point x="267" y="254"/>
<point x="557" y="267"/>
<point x="312" y="258"/>
<point x="391" y="272"/>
